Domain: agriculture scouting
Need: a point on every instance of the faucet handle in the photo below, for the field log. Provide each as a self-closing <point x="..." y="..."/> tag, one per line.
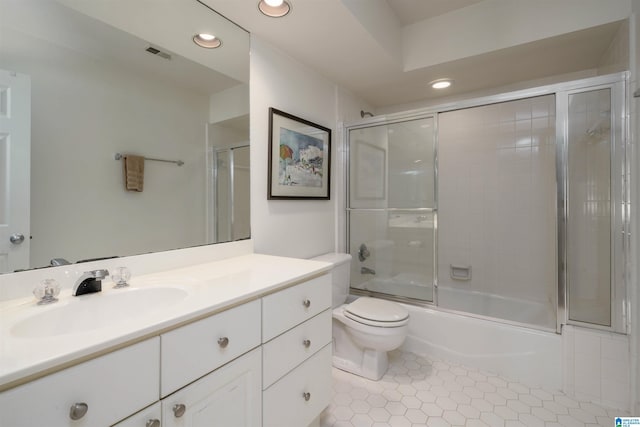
<point x="100" y="274"/>
<point x="47" y="291"/>
<point x="120" y="277"/>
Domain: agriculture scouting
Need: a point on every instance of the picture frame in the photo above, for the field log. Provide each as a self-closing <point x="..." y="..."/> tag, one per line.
<point x="299" y="158"/>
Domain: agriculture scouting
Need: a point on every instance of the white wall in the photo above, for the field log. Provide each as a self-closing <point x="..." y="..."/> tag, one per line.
<point x="297" y="228"/>
<point x="83" y="111"/>
<point x="229" y="104"/>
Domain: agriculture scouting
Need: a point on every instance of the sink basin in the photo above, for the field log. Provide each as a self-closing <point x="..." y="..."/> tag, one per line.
<point x="96" y="311"/>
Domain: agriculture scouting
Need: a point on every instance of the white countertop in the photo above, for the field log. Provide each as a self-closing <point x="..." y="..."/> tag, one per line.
<point x="209" y="288"/>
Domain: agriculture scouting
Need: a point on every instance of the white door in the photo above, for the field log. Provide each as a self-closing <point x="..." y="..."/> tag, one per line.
<point x="15" y="158"/>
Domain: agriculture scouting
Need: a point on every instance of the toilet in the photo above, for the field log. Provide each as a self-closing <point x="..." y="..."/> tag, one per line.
<point x="365" y="329"/>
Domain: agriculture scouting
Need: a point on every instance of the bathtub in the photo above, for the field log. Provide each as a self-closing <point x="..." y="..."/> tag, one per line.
<point x="527" y="355"/>
<point x="518" y="352"/>
<point x="534" y="313"/>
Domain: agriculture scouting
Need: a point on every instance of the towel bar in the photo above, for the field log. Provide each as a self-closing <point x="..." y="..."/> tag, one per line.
<point x="120" y="156"/>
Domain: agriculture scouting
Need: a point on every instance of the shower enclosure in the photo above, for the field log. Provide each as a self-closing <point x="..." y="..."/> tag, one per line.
<point x="511" y="207"/>
<point x="392" y="209"/>
<point x="230" y="175"/>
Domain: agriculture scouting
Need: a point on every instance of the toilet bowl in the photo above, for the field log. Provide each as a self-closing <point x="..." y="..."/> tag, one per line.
<point x="365" y="329"/>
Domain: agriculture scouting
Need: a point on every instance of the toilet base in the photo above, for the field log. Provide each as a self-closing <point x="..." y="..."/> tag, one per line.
<point x="373" y="366"/>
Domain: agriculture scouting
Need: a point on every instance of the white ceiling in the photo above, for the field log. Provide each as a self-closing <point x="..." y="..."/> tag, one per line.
<point x="336" y="38"/>
<point x="412" y="11"/>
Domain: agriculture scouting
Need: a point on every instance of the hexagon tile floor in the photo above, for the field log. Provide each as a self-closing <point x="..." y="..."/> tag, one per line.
<point x="418" y="391"/>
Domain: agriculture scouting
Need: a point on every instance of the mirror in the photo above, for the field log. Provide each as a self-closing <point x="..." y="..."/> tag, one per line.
<point x="111" y="77"/>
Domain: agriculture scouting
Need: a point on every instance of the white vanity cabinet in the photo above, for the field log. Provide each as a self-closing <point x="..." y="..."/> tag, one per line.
<point x="229" y="396"/>
<point x="261" y="361"/>
<point x="296" y="334"/>
<point x="98" y="392"/>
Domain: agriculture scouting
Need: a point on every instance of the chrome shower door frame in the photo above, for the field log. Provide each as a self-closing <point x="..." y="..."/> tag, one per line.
<point x="620" y="175"/>
<point x="619" y="203"/>
<point x="385" y="121"/>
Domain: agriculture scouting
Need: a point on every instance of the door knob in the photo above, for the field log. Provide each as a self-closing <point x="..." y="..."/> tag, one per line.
<point x="16" y="238"/>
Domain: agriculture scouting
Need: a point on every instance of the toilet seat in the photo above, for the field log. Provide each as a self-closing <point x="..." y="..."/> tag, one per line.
<point x="377" y="312"/>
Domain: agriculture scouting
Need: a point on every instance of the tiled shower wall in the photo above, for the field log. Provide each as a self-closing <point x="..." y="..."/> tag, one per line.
<point x="496" y="199"/>
<point x="596" y="366"/>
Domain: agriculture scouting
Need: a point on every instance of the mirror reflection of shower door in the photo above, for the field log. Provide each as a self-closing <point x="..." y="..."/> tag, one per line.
<point x="231" y="208"/>
<point x="392" y="208"/>
<point x="593" y="215"/>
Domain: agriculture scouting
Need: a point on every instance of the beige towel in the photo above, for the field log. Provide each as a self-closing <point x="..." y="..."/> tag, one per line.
<point x="133" y="172"/>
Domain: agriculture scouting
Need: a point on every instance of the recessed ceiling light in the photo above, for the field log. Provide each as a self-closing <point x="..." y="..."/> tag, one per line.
<point x="441" y="83"/>
<point x="208" y="41"/>
<point x="274" y="8"/>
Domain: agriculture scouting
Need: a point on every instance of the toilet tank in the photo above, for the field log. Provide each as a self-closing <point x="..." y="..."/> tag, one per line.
<point x="340" y="275"/>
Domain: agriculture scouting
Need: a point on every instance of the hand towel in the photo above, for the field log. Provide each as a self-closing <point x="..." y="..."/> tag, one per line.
<point x="133" y="172"/>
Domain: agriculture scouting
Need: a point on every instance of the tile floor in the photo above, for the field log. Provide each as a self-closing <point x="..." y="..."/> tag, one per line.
<point x="419" y="391"/>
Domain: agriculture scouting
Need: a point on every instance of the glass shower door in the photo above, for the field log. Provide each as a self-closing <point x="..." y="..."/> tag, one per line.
<point x="231" y="202"/>
<point x="497" y="189"/>
<point x="392" y="211"/>
<point x="594" y="215"/>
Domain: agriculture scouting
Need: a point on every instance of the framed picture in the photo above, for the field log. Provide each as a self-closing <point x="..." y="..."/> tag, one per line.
<point x="299" y="158"/>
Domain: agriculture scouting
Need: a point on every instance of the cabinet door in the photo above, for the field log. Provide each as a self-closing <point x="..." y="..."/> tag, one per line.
<point x="299" y="397"/>
<point x="148" y="417"/>
<point x="229" y="397"/>
<point x="98" y="392"/>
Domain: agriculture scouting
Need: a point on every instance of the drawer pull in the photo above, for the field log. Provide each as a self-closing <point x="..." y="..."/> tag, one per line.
<point x="153" y="423"/>
<point x="307" y="396"/>
<point x="179" y="410"/>
<point x="306" y="343"/>
<point x="306" y="303"/>
<point x="223" y="342"/>
<point x="78" y="410"/>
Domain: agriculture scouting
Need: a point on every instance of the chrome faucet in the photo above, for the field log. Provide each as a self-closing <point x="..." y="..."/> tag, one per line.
<point x="363" y="252"/>
<point x="59" y="261"/>
<point x="365" y="270"/>
<point x="89" y="282"/>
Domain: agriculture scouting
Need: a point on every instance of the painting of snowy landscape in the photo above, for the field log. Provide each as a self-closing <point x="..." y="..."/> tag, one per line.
<point x="300" y="159"/>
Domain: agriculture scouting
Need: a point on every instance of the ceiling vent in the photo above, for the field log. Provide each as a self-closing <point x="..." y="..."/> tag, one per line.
<point x="158" y="52"/>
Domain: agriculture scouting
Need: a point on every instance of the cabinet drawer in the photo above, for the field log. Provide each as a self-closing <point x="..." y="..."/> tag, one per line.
<point x="284" y="403"/>
<point x="143" y="418"/>
<point x="283" y="310"/>
<point x="194" y="350"/>
<point x="113" y="387"/>
<point x="227" y="397"/>
<point x="290" y="349"/>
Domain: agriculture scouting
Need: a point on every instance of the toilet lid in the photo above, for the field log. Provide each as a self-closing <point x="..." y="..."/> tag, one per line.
<point x="377" y="312"/>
